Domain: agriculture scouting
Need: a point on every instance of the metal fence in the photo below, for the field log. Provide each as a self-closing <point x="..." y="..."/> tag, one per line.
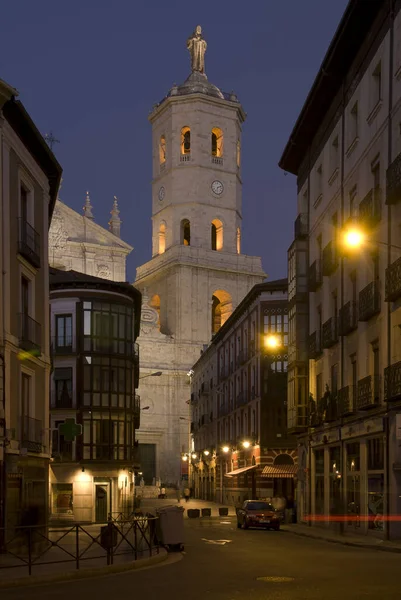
<point x="32" y="547"/>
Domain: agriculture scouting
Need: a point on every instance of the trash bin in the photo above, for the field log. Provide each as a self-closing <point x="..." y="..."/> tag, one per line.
<point x="170" y="527"/>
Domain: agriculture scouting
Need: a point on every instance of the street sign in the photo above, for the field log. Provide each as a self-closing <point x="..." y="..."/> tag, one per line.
<point x="70" y="429"/>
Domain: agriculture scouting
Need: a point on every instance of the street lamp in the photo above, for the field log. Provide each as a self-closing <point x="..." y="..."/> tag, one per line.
<point x="206" y="452"/>
<point x="246" y="444"/>
<point x="155" y="374"/>
<point x="225" y="449"/>
<point x="272" y="342"/>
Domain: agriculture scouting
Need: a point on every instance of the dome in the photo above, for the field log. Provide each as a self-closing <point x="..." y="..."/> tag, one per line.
<point x="197" y="83"/>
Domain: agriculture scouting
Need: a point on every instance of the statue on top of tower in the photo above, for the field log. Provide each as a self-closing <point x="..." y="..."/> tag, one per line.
<point x="197" y="48"/>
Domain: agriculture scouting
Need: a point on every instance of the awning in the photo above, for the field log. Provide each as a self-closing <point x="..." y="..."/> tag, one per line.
<point x="280" y="471"/>
<point x="239" y="471"/>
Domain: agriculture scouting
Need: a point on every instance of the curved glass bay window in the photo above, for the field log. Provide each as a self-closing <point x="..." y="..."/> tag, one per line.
<point x="108" y="436"/>
<point x="108" y="328"/>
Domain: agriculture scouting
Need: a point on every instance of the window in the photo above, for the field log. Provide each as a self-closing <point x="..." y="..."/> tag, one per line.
<point x="26" y="391"/>
<point x="155" y="303"/>
<point x="334" y="156"/>
<point x="276" y="323"/>
<point x="319" y="387"/>
<point x="238" y="240"/>
<point x="377" y="84"/>
<point x="108" y="327"/>
<point x="108" y="382"/>
<point x="353" y="123"/>
<point x="376" y="179"/>
<point x="62" y="377"/>
<point x="375" y="454"/>
<point x="354" y="380"/>
<point x="319" y="182"/>
<point x="217" y="142"/>
<point x="376" y="373"/>
<point x="353" y="206"/>
<point x="62" y="499"/>
<point x="162" y="238"/>
<point x="64" y="331"/>
<point x="162" y="150"/>
<point x="217" y="235"/>
<point x="25" y="284"/>
<point x="185" y="232"/>
<point x="24" y="204"/>
<point x="185" y="140"/>
<point x="319" y="482"/>
<point x="334" y="380"/>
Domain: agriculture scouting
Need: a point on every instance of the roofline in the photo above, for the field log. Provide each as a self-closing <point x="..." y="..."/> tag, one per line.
<point x="20" y="121"/>
<point x="342" y="50"/>
<point x="163" y="104"/>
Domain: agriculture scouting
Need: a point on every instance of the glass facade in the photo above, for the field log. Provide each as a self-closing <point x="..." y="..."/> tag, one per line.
<point x="108" y="328"/>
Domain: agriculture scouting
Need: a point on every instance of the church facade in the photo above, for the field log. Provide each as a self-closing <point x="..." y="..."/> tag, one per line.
<point x="198" y="273"/>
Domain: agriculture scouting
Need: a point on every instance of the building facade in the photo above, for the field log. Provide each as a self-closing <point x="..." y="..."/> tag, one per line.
<point x="198" y="273"/>
<point x="77" y="243"/>
<point x="241" y="448"/>
<point x="344" y="278"/>
<point x="94" y="325"/>
<point x="29" y="181"/>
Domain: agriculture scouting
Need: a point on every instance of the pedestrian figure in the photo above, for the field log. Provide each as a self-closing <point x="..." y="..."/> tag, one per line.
<point x="163" y="492"/>
<point x="178" y="495"/>
<point x="186" y="494"/>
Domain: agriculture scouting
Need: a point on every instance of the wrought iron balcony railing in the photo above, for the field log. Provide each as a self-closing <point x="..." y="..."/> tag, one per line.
<point x="370" y="208"/>
<point x="31" y="434"/>
<point x="393" y="281"/>
<point x="393" y="181"/>
<point x="301" y="226"/>
<point x="29" y="333"/>
<point x="369" y="301"/>
<point x="315" y="276"/>
<point x="62" y="345"/>
<point x="348" y="320"/>
<point x="329" y="332"/>
<point x="330" y="259"/>
<point x="347" y="400"/>
<point x="368" y="394"/>
<point x="315" y="344"/>
<point x="29" y="243"/>
<point x="392" y="382"/>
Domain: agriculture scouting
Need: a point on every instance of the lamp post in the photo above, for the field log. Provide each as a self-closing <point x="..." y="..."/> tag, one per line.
<point x="155" y="374"/>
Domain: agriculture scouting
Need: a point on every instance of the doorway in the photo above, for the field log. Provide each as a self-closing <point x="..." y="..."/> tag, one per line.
<point x="101" y="503"/>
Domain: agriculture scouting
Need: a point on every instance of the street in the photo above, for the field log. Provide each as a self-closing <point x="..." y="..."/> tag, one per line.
<point x="227" y="571"/>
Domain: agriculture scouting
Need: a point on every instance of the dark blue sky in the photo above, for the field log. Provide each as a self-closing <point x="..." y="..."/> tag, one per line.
<point x="91" y="70"/>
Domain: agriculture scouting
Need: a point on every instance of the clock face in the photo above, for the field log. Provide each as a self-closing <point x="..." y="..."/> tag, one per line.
<point x="162" y="193"/>
<point x="217" y="187"/>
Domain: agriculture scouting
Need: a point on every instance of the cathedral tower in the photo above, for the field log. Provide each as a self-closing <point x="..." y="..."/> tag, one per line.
<point x="197" y="274"/>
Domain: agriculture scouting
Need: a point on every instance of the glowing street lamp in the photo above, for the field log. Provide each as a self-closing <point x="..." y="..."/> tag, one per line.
<point x="185" y="458"/>
<point x="194" y="456"/>
<point x="246" y="444"/>
<point x="206" y="452"/>
<point x="272" y="342"/>
<point x="226" y="449"/>
<point x="354" y="238"/>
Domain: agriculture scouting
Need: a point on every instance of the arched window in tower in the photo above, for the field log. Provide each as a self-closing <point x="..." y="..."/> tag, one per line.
<point x="185" y="140"/>
<point x="222" y="307"/>
<point x="238" y="240"/>
<point x="162" y="150"/>
<point x="238" y="154"/>
<point x="162" y="238"/>
<point x="217" y="142"/>
<point x="155" y="303"/>
<point x="217" y="235"/>
<point x="185" y="232"/>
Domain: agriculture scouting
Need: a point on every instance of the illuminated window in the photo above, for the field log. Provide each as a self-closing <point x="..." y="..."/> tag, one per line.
<point x="222" y="308"/>
<point x="238" y="240"/>
<point x="162" y="238"/>
<point x="217" y="142"/>
<point x="217" y="235"/>
<point x="185" y="232"/>
<point x="162" y="149"/>
<point x="185" y="140"/>
<point x="238" y="154"/>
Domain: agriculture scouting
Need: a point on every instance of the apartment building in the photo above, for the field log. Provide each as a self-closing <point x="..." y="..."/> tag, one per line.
<point x="94" y="407"/>
<point x="344" y="266"/>
<point x="241" y="448"/>
<point x="29" y="181"/>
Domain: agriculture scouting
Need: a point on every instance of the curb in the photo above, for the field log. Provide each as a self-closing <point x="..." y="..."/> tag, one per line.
<point x="86" y="573"/>
<point x="344" y="542"/>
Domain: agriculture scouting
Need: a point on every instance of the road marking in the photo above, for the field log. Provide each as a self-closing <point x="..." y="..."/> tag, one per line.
<point x="216" y="542"/>
<point x="275" y="579"/>
<point x="225" y="522"/>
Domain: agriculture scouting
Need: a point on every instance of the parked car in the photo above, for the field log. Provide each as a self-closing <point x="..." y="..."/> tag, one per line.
<point x="255" y="513"/>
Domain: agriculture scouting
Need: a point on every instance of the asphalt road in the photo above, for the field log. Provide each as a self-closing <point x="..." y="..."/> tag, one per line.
<point x="206" y="571"/>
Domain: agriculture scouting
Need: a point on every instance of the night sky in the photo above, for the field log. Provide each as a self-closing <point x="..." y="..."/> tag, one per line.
<point x="91" y="70"/>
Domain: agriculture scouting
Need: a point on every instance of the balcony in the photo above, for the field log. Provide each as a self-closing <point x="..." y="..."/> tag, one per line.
<point x="297" y="419"/>
<point x="393" y="281"/>
<point x="370" y="208"/>
<point x="330" y="259"/>
<point x="252" y="350"/>
<point x="314" y="276"/>
<point x="31" y="434"/>
<point x="204" y="391"/>
<point x="393" y="183"/>
<point x="29" y="333"/>
<point x="29" y="243"/>
<point x="301" y="226"/>
<point x="253" y="393"/>
<point x="62" y="399"/>
<point x="368" y="395"/>
<point x="348" y="321"/>
<point x="204" y="420"/>
<point x="329" y="332"/>
<point x="315" y="345"/>
<point x="61" y="345"/>
<point x="347" y="400"/>
<point x="242" y="398"/>
<point x="392" y="382"/>
<point x="243" y="356"/>
<point x="369" y="301"/>
<point x="224" y="372"/>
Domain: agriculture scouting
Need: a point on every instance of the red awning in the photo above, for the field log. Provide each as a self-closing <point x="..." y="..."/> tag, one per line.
<point x="280" y="471"/>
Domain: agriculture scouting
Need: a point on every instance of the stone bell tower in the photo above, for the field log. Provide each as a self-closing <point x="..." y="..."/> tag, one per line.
<point x="197" y="274"/>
